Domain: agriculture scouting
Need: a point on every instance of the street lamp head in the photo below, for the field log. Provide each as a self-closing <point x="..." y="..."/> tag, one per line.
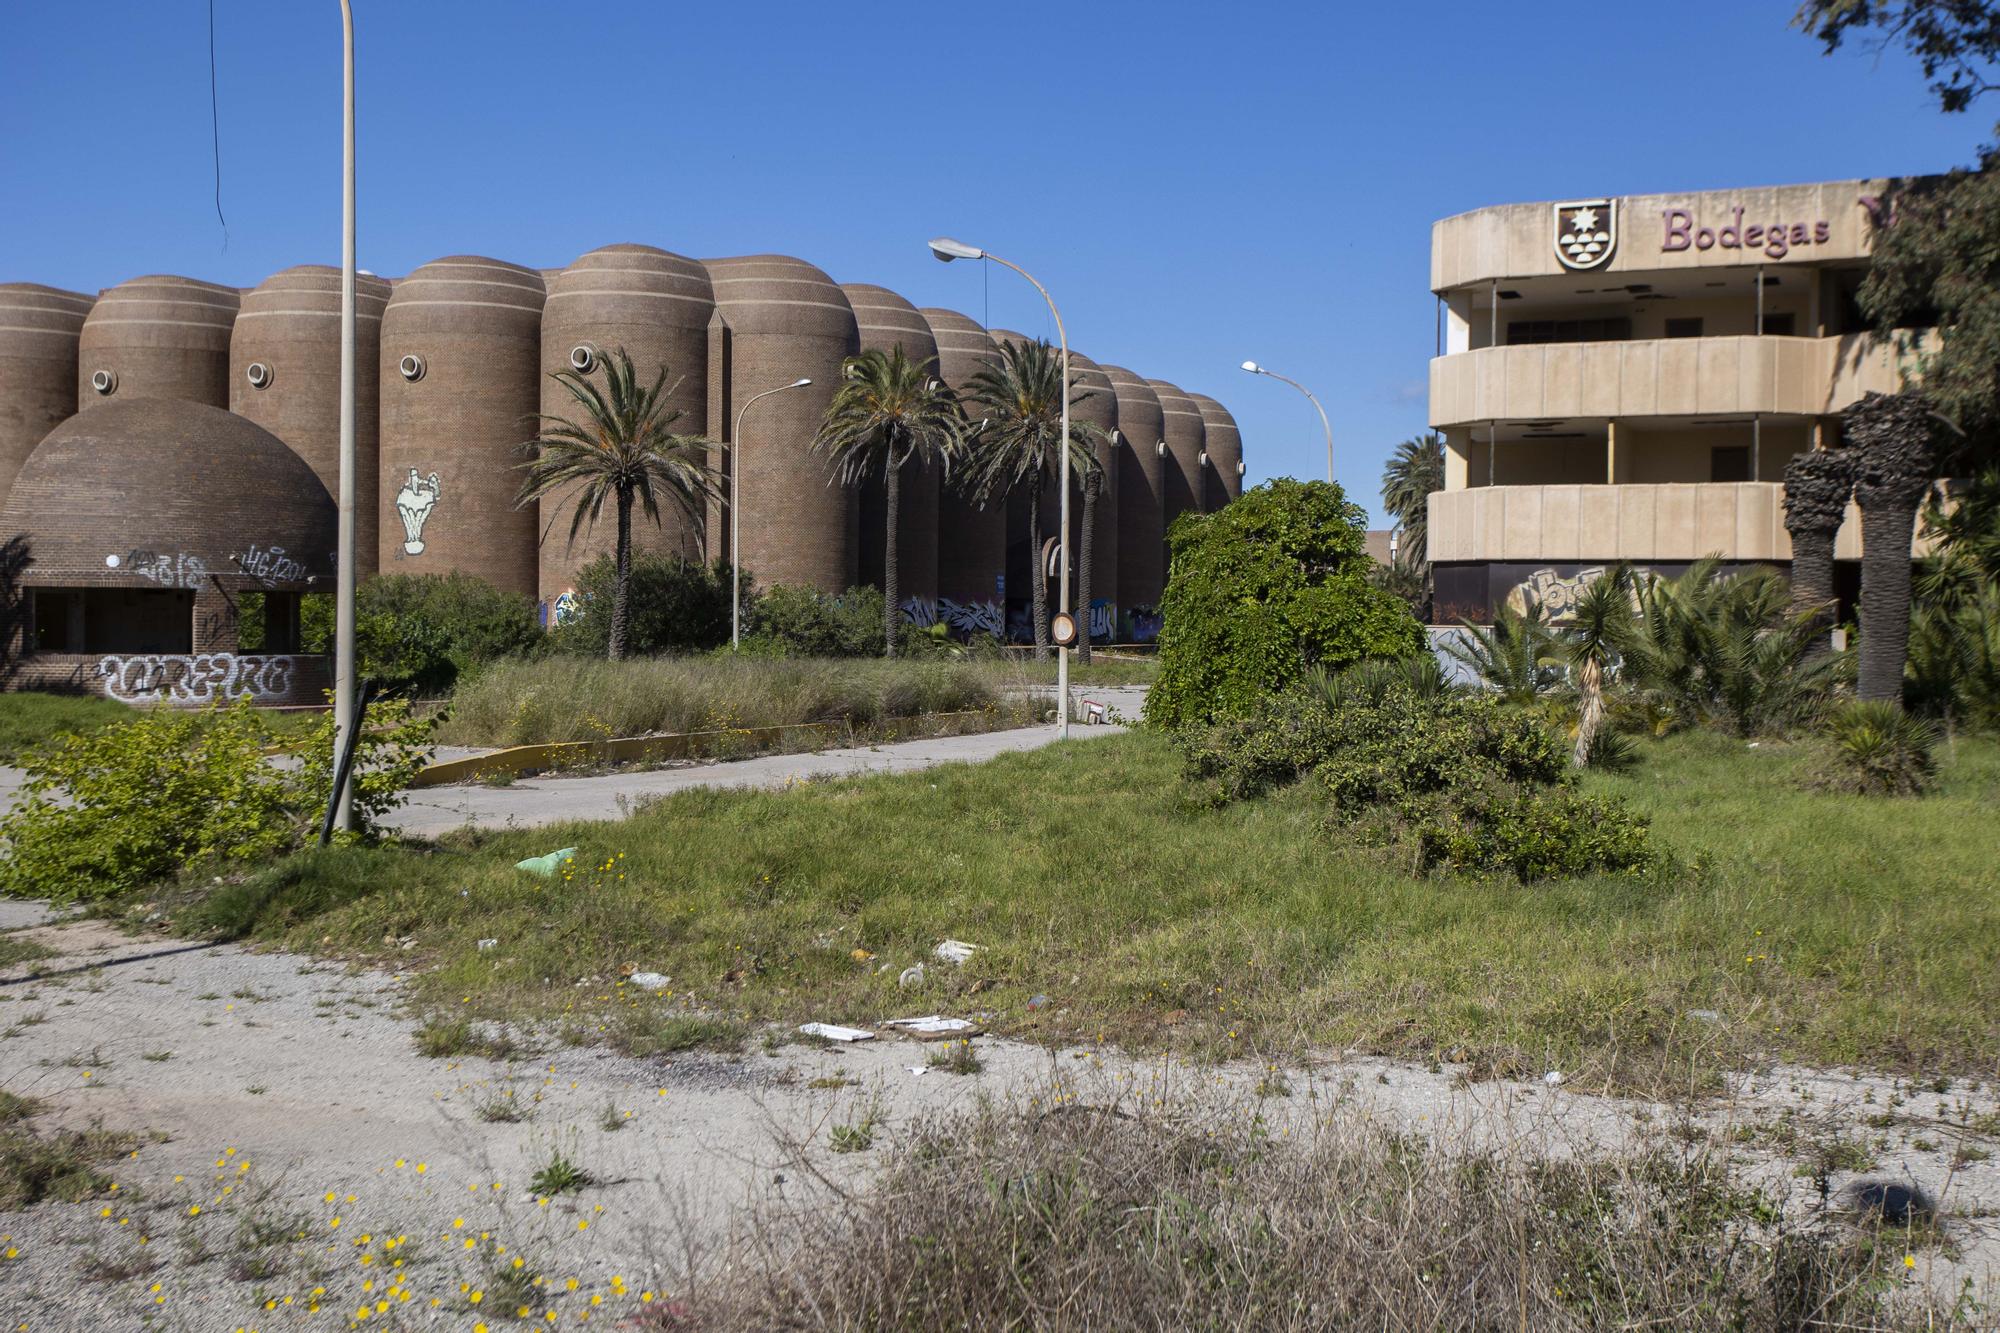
<point x="799" y="383"/>
<point x="946" y="250"/>
<point x="1253" y="367"/>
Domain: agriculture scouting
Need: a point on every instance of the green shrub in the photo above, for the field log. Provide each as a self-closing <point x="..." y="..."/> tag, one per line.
<point x="672" y="606"/>
<point x="797" y="621"/>
<point x="1954" y="663"/>
<point x="1879" y="750"/>
<point x="1263" y="589"/>
<point x="1460" y="780"/>
<point x="419" y="633"/>
<point x="133" y="804"/>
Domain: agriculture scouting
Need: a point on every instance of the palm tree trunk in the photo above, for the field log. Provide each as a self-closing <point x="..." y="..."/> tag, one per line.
<point x="622" y="587"/>
<point x="1812" y="584"/>
<point x="892" y="613"/>
<point x="1590" y="710"/>
<point x="1038" y="582"/>
<point x="1886" y="529"/>
<point x="1083" y="571"/>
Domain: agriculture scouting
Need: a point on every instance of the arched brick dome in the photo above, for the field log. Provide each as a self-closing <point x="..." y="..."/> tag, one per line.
<point x="212" y="495"/>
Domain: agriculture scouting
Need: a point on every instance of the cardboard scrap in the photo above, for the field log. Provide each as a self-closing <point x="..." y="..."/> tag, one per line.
<point x="835" y="1032"/>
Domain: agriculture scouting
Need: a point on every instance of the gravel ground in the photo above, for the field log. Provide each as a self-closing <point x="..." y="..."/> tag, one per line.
<point x="274" y="1094"/>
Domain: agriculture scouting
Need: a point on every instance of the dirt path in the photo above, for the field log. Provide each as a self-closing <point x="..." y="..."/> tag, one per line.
<point x="289" y="1094"/>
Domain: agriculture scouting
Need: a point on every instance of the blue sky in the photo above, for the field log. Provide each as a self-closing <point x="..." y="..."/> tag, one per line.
<point x="1197" y="184"/>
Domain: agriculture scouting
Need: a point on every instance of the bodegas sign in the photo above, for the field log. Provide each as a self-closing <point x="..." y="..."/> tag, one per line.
<point x="1775" y="238"/>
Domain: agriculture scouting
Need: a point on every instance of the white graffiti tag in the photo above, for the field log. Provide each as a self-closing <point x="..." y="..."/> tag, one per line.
<point x="413" y="505"/>
<point x="194" y="678"/>
<point x="271" y="565"/>
<point x="176" y="570"/>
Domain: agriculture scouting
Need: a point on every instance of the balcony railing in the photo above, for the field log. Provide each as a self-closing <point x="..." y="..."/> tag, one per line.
<point x="1659" y="377"/>
<point x="1672" y="522"/>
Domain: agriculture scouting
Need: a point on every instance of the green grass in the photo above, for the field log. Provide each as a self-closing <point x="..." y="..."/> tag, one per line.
<point x="1818" y="927"/>
<point x="16" y="949"/>
<point x="30" y="720"/>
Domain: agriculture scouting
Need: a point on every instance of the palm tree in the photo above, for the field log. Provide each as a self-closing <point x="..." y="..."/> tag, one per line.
<point x="1600" y="624"/>
<point x="1893" y="466"/>
<point x="1414" y="470"/>
<point x="1020" y="399"/>
<point x="1516" y="658"/>
<point x="888" y="413"/>
<point x="1817" y="486"/>
<point x="623" y="449"/>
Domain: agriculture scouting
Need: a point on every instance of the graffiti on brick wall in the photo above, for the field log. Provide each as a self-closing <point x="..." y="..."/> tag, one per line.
<point x="414" y="504"/>
<point x="1142" y="624"/>
<point x="966" y="618"/>
<point x="565" y="608"/>
<point x="1103" y="620"/>
<point x="194" y="678"/>
<point x="270" y="564"/>
<point x="169" y="569"/>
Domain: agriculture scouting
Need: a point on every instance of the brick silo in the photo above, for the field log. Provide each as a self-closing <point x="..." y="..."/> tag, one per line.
<point x="39" y="329"/>
<point x="1224" y="476"/>
<point x="658" y="307"/>
<point x="778" y="319"/>
<point x="1141" y="490"/>
<point x="972" y="542"/>
<point x="461" y="347"/>
<point x="284" y="374"/>
<point x="885" y="321"/>
<point x="157" y="337"/>
<point x="1186" y="438"/>
<point x="1099" y="409"/>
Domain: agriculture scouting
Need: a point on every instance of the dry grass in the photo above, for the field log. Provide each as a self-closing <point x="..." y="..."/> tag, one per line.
<point x="1063" y="1214"/>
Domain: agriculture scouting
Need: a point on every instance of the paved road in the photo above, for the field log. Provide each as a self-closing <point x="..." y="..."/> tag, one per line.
<point x="532" y="802"/>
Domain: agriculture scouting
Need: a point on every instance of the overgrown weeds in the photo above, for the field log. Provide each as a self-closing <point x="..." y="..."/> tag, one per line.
<point x="1079" y="1215"/>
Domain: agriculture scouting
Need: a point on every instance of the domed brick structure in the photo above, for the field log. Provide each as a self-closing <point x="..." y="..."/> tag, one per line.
<point x="146" y="521"/>
<point x="885" y="321"/>
<point x="1141" y="495"/>
<point x="39" y="329"/>
<point x="1223" y="444"/>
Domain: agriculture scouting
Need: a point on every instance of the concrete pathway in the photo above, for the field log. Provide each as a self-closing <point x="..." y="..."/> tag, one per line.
<point x="533" y="802"/>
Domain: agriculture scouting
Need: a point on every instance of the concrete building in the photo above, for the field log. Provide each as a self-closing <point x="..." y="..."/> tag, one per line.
<point x="172" y="444"/>
<point x="1625" y="378"/>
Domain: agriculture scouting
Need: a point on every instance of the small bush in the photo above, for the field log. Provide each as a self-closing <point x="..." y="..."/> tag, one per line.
<point x="672" y="606"/>
<point x="419" y="633"/>
<point x="1879" y="750"/>
<point x="134" y="804"/>
<point x="1263" y="589"/>
<point x="797" y="621"/>
<point x="1462" y="781"/>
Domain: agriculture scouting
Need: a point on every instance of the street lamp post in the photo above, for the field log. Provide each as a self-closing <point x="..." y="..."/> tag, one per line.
<point x="736" y="513"/>
<point x="345" y="566"/>
<point x="1256" y="369"/>
<point x="947" y="250"/>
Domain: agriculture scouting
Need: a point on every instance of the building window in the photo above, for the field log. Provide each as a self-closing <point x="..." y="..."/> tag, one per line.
<point x="1684" y="327"/>
<point x="1729" y="462"/>
<point x="1780" y="326"/>
<point x="1521" y="332"/>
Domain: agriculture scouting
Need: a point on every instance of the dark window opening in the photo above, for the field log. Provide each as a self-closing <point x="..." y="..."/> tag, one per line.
<point x="113" y="620"/>
<point x="1729" y="462"/>
<point x="1525" y="332"/>
<point x="1685" y="326"/>
<point x="1780" y="326"/>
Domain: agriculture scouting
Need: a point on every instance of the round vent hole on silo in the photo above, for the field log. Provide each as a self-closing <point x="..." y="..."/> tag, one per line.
<point x="411" y="367"/>
<point x="1204" y="458"/>
<point x="104" y="381"/>
<point x="583" y="358"/>
<point x="259" y="374"/>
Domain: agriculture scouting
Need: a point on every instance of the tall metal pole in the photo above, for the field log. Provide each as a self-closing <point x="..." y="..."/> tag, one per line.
<point x="1323" y="423"/>
<point x="345" y="567"/>
<point x="1062" y="546"/>
<point x="736" y="513"/>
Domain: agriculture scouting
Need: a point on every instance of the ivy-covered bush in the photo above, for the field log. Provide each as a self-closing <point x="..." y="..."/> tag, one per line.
<point x="138" y="802"/>
<point x="796" y="621"/>
<point x="1262" y="589"/>
<point x="418" y="633"/>
<point x="672" y="606"/>
<point x="1455" y="780"/>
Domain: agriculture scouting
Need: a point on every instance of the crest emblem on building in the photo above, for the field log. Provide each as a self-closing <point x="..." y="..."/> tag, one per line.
<point x="1586" y="232"/>
<point x="413" y="505"/>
